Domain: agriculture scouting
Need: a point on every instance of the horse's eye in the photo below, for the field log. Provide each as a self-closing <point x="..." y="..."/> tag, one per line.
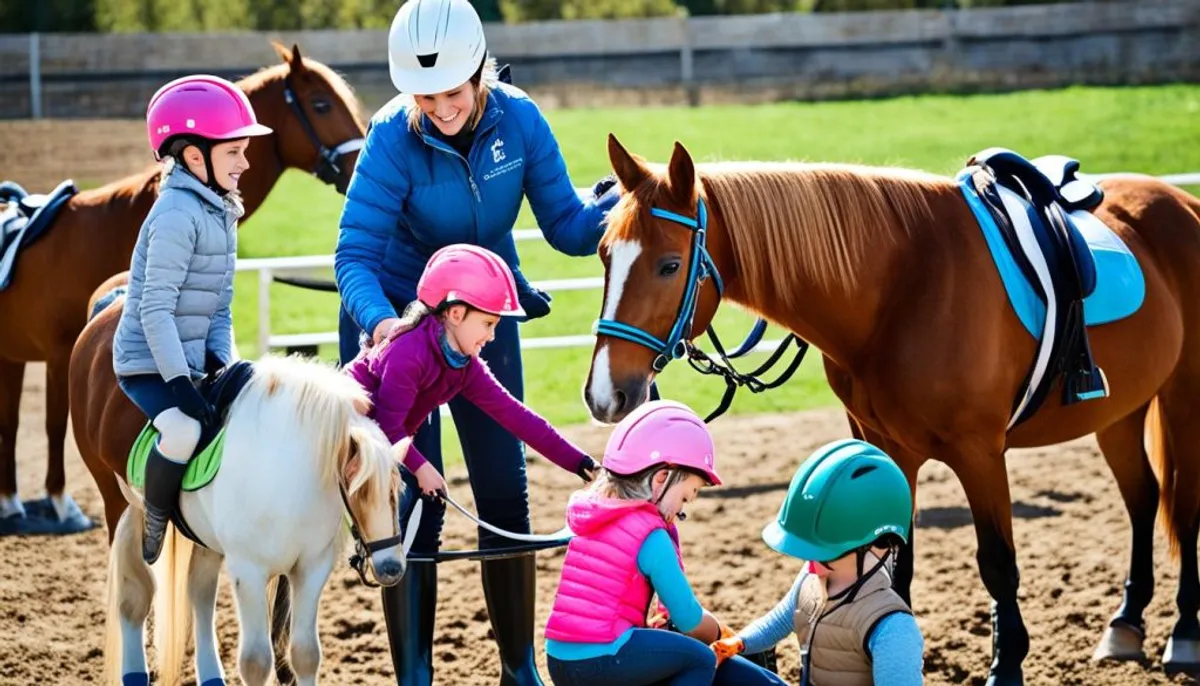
<point x="321" y="105"/>
<point x="668" y="269"/>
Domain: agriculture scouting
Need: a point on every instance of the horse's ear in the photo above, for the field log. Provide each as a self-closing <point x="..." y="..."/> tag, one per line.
<point x="297" y="62"/>
<point x="681" y="175"/>
<point x="285" y="55"/>
<point x="630" y="169"/>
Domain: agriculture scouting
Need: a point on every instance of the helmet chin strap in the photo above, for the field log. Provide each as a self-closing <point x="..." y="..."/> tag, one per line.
<point x="673" y="477"/>
<point x="205" y="147"/>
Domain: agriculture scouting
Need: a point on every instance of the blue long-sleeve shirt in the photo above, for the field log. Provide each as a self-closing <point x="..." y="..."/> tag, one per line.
<point x="896" y="645"/>
<point x="413" y="193"/>
<point x="657" y="561"/>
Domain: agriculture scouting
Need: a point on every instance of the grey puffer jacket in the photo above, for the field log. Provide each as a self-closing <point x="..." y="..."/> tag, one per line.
<point x="180" y="282"/>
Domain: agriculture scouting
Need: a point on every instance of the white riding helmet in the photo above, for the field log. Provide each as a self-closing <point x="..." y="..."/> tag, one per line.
<point x="434" y="46"/>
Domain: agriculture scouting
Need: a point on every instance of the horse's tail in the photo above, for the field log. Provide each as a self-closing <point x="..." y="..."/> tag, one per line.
<point x="279" y="599"/>
<point x="172" y="610"/>
<point x="1164" y="461"/>
<point x="112" y="617"/>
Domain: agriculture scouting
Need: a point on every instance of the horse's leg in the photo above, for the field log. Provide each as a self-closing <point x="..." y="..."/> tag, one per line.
<point x="131" y="590"/>
<point x="980" y="470"/>
<point x="902" y="573"/>
<point x="308" y="581"/>
<point x="58" y="378"/>
<point x="1124" y="449"/>
<point x="1175" y="437"/>
<point x="12" y="375"/>
<point x="255" y="656"/>
<point x="202" y="591"/>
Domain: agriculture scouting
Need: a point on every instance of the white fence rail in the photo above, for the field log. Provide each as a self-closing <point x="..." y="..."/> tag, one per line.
<point x="268" y="267"/>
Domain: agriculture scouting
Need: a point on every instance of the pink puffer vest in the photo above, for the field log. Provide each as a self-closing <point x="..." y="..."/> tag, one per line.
<point x="601" y="592"/>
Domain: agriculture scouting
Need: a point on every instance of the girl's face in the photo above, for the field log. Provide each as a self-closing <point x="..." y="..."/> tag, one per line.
<point x="449" y="110"/>
<point x="683" y="492"/>
<point x="468" y="330"/>
<point x="228" y="161"/>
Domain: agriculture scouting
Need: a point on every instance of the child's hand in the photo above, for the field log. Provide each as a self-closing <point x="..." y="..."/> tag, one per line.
<point x="727" y="647"/>
<point x="658" y="620"/>
<point x="587" y="470"/>
<point x="429" y="480"/>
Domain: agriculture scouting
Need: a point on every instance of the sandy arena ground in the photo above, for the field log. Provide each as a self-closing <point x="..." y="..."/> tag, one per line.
<point x="1071" y="530"/>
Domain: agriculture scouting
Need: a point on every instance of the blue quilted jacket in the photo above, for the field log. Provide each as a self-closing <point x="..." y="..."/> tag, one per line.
<point x="412" y="194"/>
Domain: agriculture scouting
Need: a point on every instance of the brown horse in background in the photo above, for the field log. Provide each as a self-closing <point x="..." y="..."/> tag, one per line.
<point x="887" y="273"/>
<point x="317" y="126"/>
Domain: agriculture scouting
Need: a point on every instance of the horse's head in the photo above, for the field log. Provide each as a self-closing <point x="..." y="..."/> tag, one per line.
<point x="661" y="286"/>
<point x="371" y="487"/>
<point x="316" y="117"/>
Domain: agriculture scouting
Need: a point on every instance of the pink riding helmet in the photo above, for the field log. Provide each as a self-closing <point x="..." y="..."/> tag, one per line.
<point x="661" y="432"/>
<point x="472" y="275"/>
<point x="200" y="105"/>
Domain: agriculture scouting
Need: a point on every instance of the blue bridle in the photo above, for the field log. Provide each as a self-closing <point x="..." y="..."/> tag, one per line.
<point x="700" y="268"/>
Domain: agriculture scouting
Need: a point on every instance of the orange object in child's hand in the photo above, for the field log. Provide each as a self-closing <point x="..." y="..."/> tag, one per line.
<point x="727" y="647"/>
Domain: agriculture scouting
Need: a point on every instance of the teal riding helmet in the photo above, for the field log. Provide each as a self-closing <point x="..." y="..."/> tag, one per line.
<point x="846" y="495"/>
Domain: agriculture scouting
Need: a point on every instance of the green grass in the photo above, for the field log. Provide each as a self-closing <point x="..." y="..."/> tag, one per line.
<point x="1153" y="130"/>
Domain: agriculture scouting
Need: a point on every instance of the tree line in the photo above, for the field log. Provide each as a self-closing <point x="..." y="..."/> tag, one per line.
<point x="49" y="16"/>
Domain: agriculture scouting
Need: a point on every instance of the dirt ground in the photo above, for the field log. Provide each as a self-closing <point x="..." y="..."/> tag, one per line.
<point x="1071" y="530"/>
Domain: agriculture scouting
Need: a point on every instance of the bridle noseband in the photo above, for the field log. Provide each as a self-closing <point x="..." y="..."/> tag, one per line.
<point x="363" y="549"/>
<point x="327" y="168"/>
<point x="700" y="268"/>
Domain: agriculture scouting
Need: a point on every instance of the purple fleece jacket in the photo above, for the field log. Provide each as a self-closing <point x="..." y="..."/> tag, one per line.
<point x="410" y="378"/>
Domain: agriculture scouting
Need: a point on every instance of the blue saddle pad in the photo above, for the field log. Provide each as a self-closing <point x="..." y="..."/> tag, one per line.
<point x="1120" y="286"/>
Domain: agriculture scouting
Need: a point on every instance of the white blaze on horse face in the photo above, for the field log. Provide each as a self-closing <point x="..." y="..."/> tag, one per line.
<point x="622" y="255"/>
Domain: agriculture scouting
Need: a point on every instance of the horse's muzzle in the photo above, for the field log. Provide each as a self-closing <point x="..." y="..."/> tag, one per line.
<point x="389" y="569"/>
<point x="611" y="404"/>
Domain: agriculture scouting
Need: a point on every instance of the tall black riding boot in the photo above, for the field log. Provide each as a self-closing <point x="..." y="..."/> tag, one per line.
<point x="163" y="477"/>
<point x="408" y="612"/>
<point x="508" y="586"/>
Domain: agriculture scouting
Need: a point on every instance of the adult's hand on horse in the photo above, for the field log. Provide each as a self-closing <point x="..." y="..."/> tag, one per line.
<point x="604" y="185"/>
<point x="190" y="401"/>
<point x="383" y="328"/>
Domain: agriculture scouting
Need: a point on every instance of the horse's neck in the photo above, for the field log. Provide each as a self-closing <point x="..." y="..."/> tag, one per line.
<point x="837" y="321"/>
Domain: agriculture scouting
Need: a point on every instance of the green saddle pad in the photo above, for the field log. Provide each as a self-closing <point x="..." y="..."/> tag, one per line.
<point x="200" y="470"/>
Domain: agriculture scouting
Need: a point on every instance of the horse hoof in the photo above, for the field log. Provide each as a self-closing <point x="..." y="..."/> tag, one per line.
<point x="1121" y="641"/>
<point x="1182" y="656"/>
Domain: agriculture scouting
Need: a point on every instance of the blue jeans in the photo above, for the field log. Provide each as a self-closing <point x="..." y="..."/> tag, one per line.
<point x="149" y="392"/>
<point x="738" y="671"/>
<point x="495" y="458"/>
<point x="650" y="656"/>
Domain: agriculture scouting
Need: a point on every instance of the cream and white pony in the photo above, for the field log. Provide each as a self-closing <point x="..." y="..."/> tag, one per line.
<point x="294" y="445"/>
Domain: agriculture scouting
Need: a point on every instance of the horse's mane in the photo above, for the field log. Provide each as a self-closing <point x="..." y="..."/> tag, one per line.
<point x="324" y="401"/>
<point x="826" y="217"/>
<point x="784" y="216"/>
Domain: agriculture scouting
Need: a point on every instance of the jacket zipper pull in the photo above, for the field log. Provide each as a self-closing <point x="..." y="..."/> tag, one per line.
<point x="474" y="188"/>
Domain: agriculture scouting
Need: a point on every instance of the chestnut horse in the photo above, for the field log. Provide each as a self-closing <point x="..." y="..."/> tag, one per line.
<point x="887" y="273"/>
<point x="318" y="126"/>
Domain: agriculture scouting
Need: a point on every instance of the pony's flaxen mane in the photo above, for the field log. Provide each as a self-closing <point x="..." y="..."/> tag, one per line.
<point x="823" y="218"/>
<point x="324" y="401"/>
